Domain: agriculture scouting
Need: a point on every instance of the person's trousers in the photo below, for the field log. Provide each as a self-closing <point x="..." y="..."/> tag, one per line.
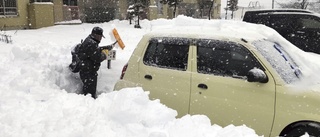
<point x="89" y="80"/>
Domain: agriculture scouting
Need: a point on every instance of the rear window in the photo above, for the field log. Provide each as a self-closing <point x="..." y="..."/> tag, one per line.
<point x="169" y="53"/>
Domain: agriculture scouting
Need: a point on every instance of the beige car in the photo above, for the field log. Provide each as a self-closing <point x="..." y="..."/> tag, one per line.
<point x="229" y="79"/>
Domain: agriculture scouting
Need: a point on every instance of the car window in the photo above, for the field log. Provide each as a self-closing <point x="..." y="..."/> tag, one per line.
<point x="260" y="19"/>
<point x="280" y="60"/>
<point x="308" y="23"/>
<point x="282" y="22"/>
<point x="224" y="58"/>
<point x="170" y="53"/>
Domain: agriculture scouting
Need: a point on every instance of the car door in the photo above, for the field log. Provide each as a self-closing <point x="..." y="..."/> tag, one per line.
<point x="219" y="88"/>
<point x="164" y="72"/>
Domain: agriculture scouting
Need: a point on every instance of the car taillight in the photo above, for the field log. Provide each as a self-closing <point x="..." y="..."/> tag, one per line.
<point x="123" y="71"/>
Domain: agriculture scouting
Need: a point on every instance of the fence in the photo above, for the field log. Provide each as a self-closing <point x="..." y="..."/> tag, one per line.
<point x="5" y="38"/>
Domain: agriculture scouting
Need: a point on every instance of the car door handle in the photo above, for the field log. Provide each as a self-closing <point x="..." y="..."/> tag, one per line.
<point x="148" y="77"/>
<point x="203" y="86"/>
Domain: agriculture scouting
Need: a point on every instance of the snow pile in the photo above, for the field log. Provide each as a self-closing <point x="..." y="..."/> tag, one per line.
<point x="38" y="92"/>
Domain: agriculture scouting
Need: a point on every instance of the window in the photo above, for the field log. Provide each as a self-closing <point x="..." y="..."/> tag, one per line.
<point x="282" y="22"/>
<point x="41" y="1"/>
<point x="8" y="7"/>
<point x="224" y="59"/>
<point x="170" y="53"/>
<point x="308" y="23"/>
<point x="70" y="2"/>
<point x="280" y="60"/>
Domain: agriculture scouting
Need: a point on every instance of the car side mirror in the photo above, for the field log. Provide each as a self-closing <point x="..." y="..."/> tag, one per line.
<point x="257" y="75"/>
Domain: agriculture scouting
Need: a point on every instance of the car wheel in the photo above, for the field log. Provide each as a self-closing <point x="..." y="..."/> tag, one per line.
<point x="312" y="131"/>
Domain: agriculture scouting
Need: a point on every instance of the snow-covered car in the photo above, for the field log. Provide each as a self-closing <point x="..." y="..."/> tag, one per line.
<point x="233" y="72"/>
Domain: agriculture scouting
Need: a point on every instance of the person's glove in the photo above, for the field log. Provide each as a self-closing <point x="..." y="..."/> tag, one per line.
<point x="105" y="51"/>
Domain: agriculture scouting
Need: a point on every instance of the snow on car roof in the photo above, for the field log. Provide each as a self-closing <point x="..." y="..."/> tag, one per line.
<point x="235" y="29"/>
<point x="204" y="28"/>
<point x="232" y="30"/>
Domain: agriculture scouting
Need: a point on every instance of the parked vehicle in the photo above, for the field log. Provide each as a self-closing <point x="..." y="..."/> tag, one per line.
<point x="231" y="80"/>
<point x="300" y="27"/>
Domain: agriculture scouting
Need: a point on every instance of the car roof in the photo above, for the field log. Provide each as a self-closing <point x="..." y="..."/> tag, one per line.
<point x="288" y="13"/>
<point x="279" y="11"/>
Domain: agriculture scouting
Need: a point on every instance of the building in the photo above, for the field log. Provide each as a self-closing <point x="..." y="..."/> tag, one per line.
<point x="33" y="14"/>
<point x="154" y="9"/>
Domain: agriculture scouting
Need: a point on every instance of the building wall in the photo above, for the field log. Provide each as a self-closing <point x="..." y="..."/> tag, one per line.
<point x="121" y="13"/>
<point x="40" y="15"/>
<point x="155" y="13"/>
<point x="19" y="21"/>
<point x="59" y="11"/>
<point x="35" y="15"/>
<point x="216" y="10"/>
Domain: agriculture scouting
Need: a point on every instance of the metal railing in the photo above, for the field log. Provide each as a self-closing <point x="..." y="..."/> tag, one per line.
<point x="5" y="38"/>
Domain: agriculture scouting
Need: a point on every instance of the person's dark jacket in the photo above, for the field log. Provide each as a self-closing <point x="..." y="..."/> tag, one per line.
<point x="90" y="55"/>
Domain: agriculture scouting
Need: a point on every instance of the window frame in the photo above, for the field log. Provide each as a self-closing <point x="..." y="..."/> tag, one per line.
<point x="70" y="2"/>
<point x="232" y="48"/>
<point x="5" y="9"/>
<point x="151" y="59"/>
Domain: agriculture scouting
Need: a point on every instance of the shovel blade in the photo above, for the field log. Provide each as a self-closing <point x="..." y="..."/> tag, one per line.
<point x="117" y="37"/>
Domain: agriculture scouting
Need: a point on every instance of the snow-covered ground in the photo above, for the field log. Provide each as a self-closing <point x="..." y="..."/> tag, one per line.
<point x="39" y="94"/>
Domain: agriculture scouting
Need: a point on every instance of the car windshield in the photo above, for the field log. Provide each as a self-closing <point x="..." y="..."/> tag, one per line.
<point x="280" y="60"/>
